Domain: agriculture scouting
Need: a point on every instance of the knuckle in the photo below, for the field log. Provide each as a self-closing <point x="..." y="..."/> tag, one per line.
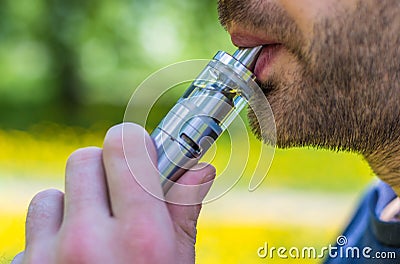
<point x="41" y="200"/>
<point x="115" y="137"/>
<point x="150" y="239"/>
<point x="76" y="244"/>
<point x="84" y="154"/>
<point x="29" y="256"/>
<point x="187" y="229"/>
<point x="47" y="194"/>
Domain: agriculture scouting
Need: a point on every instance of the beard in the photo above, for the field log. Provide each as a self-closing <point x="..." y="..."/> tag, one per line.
<point x="339" y="90"/>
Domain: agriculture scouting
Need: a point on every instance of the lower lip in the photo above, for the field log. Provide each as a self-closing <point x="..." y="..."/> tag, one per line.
<point x="264" y="61"/>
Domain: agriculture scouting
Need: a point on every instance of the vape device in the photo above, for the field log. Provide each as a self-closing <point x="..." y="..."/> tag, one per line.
<point x="205" y="110"/>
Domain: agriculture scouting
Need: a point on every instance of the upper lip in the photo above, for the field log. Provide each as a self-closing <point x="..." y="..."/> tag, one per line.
<point x="248" y="40"/>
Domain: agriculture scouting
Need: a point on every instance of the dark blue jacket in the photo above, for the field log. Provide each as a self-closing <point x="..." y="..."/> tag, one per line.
<point x="374" y="240"/>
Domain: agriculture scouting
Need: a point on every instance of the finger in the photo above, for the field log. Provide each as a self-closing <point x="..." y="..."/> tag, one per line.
<point x="194" y="186"/>
<point x="44" y="217"/>
<point x="129" y="157"/>
<point x="18" y="258"/>
<point x="85" y="185"/>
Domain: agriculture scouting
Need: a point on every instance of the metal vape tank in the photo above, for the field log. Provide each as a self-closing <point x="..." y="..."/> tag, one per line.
<point x="205" y="110"/>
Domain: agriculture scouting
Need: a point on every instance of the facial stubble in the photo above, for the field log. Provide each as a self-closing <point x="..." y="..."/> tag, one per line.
<point x="343" y="91"/>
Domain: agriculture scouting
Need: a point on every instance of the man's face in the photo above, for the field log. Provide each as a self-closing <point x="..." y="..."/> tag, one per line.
<point x="330" y="69"/>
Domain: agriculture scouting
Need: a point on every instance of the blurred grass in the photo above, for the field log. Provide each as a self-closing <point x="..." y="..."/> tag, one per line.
<point x="239" y="244"/>
<point x="41" y="152"/>
<point x="11" y="235"/>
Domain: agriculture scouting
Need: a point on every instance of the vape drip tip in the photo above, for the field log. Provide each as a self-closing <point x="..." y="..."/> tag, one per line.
<point x="248" y="56"/>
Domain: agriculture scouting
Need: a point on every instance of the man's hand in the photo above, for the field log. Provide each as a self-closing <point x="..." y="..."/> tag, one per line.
<point x="105" y="216"/>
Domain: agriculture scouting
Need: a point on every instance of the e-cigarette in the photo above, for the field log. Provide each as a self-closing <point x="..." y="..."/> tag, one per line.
<point x="204" y="112"/>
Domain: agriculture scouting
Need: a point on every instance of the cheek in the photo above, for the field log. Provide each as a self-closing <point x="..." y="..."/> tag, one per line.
<point x="304" y="12"/>
<point x="307" y="13"/>
<point x="280" y="66"/>
<point x="287" y="68"/>
<point x="292" y="89"/>
<point x="285" y="72"/>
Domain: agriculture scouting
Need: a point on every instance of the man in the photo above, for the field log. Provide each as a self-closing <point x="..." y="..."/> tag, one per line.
<point x="330" y="70"/>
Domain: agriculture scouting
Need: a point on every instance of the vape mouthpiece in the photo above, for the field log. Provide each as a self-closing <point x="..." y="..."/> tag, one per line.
<point x="248" y="56"/>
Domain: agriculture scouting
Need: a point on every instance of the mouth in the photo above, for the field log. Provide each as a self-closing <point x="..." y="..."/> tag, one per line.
<point x="269" y="53"/>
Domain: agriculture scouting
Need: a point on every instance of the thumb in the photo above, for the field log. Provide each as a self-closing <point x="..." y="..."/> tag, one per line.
<point x="184" y="199"/>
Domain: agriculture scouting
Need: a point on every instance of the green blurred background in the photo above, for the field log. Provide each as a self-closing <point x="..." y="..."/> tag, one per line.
<point x="67" y="71"/>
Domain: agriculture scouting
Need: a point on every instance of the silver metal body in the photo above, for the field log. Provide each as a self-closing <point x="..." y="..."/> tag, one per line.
<point x="203" y="113"/>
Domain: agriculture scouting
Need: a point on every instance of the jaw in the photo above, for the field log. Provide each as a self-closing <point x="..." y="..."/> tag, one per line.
<point x="386" y="165"/>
